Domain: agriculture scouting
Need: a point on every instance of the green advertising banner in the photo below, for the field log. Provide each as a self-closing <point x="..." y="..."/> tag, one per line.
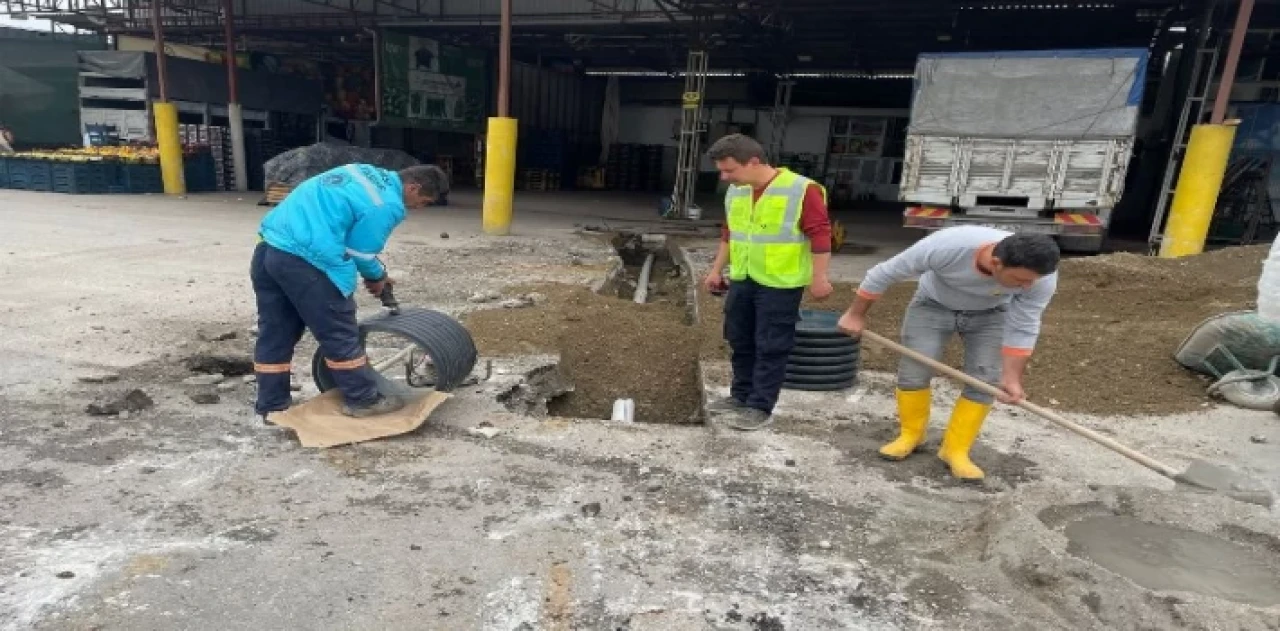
<point x="429" y="85"/>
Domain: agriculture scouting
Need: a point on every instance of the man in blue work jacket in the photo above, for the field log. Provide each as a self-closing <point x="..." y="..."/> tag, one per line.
<point x="329" y="228"/>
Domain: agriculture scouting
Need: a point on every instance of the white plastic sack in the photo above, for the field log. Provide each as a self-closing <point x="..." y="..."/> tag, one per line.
<point x="1269" y="285"/>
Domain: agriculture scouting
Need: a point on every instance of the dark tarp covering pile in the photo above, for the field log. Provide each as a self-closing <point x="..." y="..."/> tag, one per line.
<point x="292" y="167"/>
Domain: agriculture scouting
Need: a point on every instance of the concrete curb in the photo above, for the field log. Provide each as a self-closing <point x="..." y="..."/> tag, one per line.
<point x="681" y="256"/>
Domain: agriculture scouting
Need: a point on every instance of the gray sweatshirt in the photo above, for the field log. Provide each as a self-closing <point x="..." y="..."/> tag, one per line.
<point x="946" y="262"/>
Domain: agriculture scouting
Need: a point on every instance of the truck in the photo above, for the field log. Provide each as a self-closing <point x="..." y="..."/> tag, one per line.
<point x="1026" y="141"/>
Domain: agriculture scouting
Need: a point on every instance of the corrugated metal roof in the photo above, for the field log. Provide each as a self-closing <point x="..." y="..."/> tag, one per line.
<point x="552" y="7"/>
<point x="11" y="33"/>
<point x="433" y="8"/>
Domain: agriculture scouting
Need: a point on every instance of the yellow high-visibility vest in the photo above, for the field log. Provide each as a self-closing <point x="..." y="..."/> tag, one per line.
<point x="765" y="239"/>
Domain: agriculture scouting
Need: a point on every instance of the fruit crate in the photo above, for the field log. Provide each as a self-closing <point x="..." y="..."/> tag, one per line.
<point x="198" y="171"/>
<point x="591" y="178"/>
<point x="137" y="179"/>
<point x="79" y="178"/>
<point x="18" y="173"/>
<point x="276" y="192"/>
<point x="29" y="175"/>
<point x="541" y="180"/>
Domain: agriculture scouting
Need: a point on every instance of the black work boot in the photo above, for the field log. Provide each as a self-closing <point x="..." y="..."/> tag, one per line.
<point x="384" y="404"/>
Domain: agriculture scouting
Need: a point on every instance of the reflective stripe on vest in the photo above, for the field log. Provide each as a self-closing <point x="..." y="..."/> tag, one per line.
<point x="366" y="183"/>
<point x="789" y="226"/>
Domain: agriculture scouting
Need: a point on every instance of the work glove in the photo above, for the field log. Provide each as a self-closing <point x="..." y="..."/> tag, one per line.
<point x="374" y="287"/>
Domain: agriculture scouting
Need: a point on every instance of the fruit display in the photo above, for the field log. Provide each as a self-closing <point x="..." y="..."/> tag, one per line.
<point x="131" y="168"/>
<point x="127" y="154"/>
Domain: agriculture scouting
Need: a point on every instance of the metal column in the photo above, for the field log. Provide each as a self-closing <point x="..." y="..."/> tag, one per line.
<point x="1233" y="61"/>
<point x="691" y="129"/>
<point x="500" y="143"/>
<point x="165" y="114"/>
<point x="235" y="115"/>
<point x="504" y="60"/>
<point x="778" y="118"/>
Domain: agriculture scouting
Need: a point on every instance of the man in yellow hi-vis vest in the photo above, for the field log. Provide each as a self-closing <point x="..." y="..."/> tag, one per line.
<point x="777" y="242"/>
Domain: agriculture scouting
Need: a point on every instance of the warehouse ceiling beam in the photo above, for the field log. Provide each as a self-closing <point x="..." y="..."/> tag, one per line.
<point x="27" y="7"/>
<point x="774" y="36"/>
<point x="415" y="11"/>
<point x="345" y="7"/>
<point x="726" y="17"/>
<point x="617" y="8"/>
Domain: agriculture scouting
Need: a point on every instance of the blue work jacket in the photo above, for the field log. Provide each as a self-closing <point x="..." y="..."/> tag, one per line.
<point x="339" y="221"/>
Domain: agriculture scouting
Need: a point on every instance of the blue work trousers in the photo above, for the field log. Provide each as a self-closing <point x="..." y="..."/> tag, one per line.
<point x="760" y="326"/>
<point x="293" y="295"/>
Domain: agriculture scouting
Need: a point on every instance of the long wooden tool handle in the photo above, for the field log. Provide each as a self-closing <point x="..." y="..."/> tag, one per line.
<point x="1151" y="463"/>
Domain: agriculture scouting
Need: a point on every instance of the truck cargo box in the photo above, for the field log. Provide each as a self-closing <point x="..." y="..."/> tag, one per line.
<point x="1037" y="140"/>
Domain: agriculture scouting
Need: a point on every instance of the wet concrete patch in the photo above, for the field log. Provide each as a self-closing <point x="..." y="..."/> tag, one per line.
<point x="1253" y="538"/>
<point x="1055" y="517"/>
<point x="861" y="443"/>
<point x="1164" y="558"/>
<point x="1105" y="557"/>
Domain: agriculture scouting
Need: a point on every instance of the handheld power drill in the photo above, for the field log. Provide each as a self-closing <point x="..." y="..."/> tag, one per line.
<point x="387" y="296"/>
<point x="388" y="299"/>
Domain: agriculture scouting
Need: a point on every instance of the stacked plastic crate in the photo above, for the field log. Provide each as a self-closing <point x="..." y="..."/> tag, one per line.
<point x="541" y="159"/>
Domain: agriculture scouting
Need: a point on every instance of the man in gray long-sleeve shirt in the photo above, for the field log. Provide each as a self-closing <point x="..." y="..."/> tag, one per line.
<point x="989" y="286"/>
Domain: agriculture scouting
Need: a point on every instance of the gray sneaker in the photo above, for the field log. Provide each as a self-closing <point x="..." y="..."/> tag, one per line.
<point x="749" y="419"/>
<point x="727" y="404"/>
<point x="259" y="417"/>
<point x="385" y="404"/>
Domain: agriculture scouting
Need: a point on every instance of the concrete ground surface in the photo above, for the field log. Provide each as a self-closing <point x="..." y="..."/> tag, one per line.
<point x="187" y="516"/>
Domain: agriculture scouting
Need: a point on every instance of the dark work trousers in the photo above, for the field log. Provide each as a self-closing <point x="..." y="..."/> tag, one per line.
<point x="294" y="295"/>
<point x="760" y="325"/>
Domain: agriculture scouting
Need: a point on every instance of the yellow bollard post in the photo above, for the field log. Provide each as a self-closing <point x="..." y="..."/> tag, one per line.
<point x="1196" y="196"/>
<point x="166" y="118"/>
<point x="499" y="175"/>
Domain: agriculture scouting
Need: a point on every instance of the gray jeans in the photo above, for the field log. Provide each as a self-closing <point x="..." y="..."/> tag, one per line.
<point x="928" y="327"/>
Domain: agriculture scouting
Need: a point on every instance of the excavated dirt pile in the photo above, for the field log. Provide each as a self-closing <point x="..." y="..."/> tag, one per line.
<point x="610" y="347"/>
<point x="1108" y="338"/>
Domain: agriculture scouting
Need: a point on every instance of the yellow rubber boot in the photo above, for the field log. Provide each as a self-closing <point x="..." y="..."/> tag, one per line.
<point x="913" y="420"/>
<point x="962" y="431"/>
